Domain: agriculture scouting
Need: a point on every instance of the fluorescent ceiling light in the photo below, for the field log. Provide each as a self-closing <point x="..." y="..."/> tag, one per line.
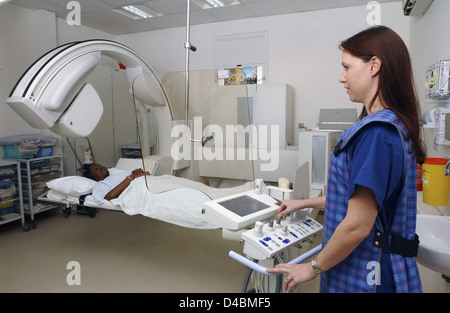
<point x="215" y="3"/>
<point x="4" y="1"/>
<point x="136" y="11"/>
<point x="209" y="4"/>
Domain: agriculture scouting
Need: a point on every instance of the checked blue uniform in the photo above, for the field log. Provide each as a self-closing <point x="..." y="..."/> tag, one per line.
<point x="375" y="154"/>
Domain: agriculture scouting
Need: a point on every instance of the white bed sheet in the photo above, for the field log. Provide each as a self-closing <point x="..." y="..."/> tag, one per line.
<point x="167" y="198"/>
<point x="181" y="206"/>
<point x="172" y="199"/>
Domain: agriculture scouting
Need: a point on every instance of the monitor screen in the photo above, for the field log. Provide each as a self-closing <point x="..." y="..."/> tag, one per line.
<point x="244" y="205"/>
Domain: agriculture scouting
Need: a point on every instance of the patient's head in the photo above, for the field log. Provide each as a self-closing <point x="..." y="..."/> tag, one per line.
<point x="98" y="172"/>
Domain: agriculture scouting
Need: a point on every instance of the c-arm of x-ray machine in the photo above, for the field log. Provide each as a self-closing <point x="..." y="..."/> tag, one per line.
<point x="53" y="93"/>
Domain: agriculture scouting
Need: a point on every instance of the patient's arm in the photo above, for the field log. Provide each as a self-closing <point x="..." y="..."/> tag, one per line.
<point x="116" y="191"/>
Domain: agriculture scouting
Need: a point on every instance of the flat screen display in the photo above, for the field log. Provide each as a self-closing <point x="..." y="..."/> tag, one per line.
<point x="244" y="205"/>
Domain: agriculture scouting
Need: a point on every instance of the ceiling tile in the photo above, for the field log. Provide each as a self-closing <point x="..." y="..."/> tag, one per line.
<point x="269" y="7"/>
<point x="97" y="13"/>
<point x="168" y="7"/>
<point x="233" y="12"/>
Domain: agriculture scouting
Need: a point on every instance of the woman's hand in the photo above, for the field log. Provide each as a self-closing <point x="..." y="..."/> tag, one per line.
<point x="289" y="206"/>
<point x="295" y="274"/>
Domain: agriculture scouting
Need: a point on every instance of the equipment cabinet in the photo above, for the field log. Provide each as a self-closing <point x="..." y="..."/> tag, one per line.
<point x="11" y="204"/>
<point x="35" y="173"/>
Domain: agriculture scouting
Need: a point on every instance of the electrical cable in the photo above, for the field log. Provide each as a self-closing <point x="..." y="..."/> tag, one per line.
<point x="139" y="132"/>
<point x="246" y="280"/>
<point x="279" y="278"/>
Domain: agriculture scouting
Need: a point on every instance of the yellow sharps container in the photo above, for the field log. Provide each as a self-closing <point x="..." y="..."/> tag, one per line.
<point x="436" y="186"/>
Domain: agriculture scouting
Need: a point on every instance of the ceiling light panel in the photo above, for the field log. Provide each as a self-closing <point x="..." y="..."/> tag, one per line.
<point x="137" y="11"/>
<point x="215" y="3"/>
<point x="209" y="4"/>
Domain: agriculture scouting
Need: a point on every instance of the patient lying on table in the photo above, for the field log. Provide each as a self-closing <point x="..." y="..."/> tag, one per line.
<point x="167" y="198"/>
<point x="108" y="186"/>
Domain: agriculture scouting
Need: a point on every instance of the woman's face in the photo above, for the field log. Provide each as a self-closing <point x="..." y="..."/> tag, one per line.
<point x="358" y="79"/>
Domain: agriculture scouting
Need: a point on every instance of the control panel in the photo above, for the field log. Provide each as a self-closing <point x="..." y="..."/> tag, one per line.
<point x="266" y="240"/>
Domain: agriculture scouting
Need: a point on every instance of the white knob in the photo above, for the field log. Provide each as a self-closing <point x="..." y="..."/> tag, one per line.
<point x="258" y="228"/>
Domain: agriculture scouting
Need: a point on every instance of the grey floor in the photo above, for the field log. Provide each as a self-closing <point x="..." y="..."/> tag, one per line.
<point x="117" y="253"/>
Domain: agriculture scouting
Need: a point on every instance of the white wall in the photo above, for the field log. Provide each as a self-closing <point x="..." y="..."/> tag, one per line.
<point x="68" y="33"/>
<point x="18" y="49"/>
<point x="302" y="51"/>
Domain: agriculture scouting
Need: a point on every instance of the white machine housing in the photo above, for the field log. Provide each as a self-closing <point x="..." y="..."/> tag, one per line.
<point x="315" y="148"/>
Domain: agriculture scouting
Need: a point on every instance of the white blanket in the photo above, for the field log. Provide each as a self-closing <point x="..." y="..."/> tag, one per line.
<point x="173" y="199"/>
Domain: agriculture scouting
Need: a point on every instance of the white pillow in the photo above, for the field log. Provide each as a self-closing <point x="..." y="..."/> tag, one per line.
<point x="72" y="185"/>
<point x="114" y="170"/>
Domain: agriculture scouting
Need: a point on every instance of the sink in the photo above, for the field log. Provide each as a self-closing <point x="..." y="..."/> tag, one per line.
<point x="434" y="246"/>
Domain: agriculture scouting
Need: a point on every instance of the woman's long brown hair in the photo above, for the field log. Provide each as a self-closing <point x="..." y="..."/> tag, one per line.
<point x="396" y="82"/>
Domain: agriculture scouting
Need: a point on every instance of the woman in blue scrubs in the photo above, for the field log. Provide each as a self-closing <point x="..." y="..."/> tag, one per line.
<point x="370" y="207"/>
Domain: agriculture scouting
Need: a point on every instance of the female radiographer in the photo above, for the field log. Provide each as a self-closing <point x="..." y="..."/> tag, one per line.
<point x="369" y="242"/>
